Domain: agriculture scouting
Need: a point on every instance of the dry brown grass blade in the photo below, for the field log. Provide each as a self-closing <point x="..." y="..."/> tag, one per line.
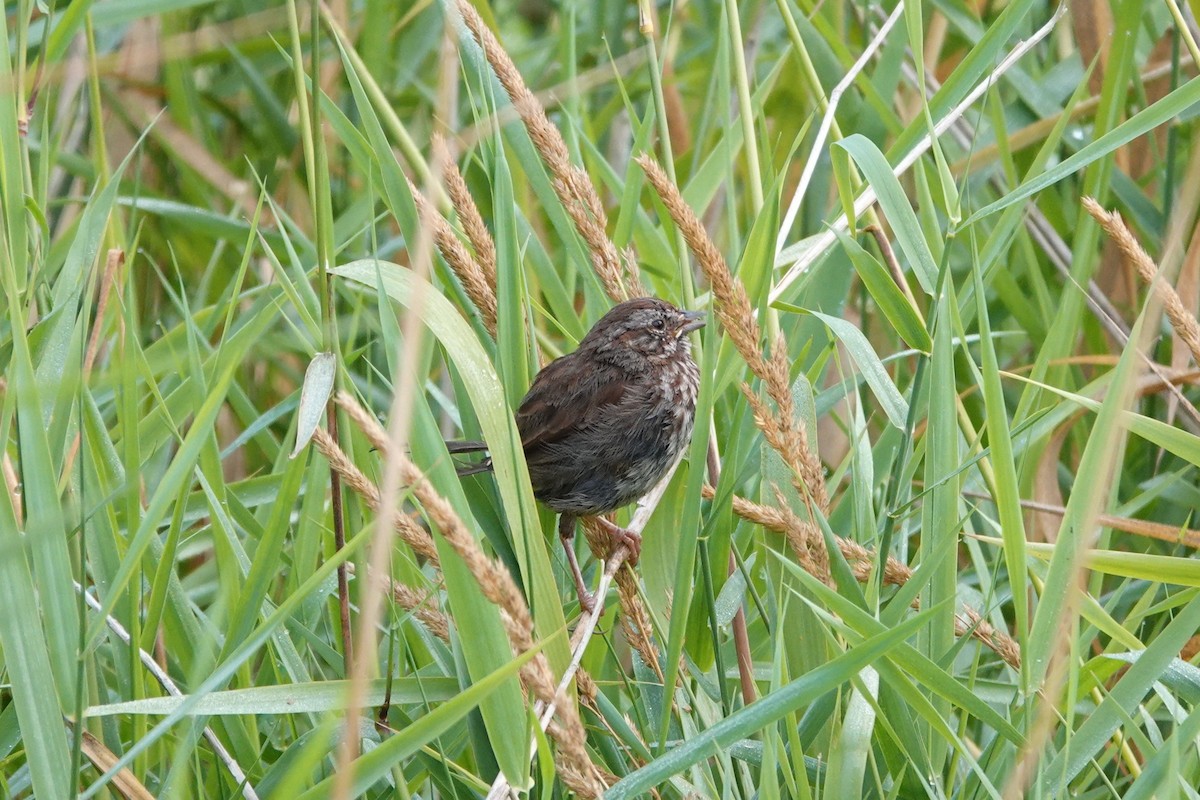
<point x="412" y="534"/>
<point x="104" y="759"/>
<point x="862" y="561"/>
<point x="1151" y="530"/>
<point x="635" y="621"/>
<point x="618" y="274"/>
<point x="474" y="279"/>
<point x="497" y="585"/>
<point x="1182" y="321"/>
<point x="783" y="431"/>
<point x="112" y="263"/>
<point x="468" y="213"/>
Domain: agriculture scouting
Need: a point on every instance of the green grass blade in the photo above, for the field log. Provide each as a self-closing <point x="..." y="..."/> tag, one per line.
<point x="26" y="662"/>
<point x="773" y="707"/>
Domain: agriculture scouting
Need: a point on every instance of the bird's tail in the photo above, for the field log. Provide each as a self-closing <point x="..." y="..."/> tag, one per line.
<point x="456" y="447"/>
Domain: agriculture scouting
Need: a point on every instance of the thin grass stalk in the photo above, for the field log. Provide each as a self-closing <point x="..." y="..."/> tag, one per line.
<point x="617" y="272"/>
<point x="329" y="343"/>
<point x="400" y="417"/>
<point x="816" y="248"/>
<point x="1185" y="31"/>
<point x="828" y="120"/>
<point x="781" y="429"/>
<point x="316" y="170"/>
<point x="164" y="680"/>
<point x="468" y="213"/>
<point x="803" y="536"/>
<point x="741" y="633"/>
<point x="498" y="587"/>
<point x="814" y="87"/>
<point x="474" y="279"/>
<point x="737" y="52"/>
<point x="97" y="138"/>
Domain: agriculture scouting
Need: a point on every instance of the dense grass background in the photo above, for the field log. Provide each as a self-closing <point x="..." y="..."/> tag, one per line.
<point x="1014" y="422"/>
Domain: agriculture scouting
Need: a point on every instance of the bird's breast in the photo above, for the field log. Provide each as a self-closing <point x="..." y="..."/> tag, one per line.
<point x="627" y="450"/>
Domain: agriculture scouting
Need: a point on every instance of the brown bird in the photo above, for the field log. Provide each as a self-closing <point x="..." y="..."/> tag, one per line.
<point x="602" y="425"/>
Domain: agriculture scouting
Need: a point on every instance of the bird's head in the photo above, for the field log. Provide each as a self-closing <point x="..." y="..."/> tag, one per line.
<point x="643" y="328"/>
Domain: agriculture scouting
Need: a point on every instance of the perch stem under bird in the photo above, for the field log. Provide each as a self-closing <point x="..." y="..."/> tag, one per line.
<point x="601" y="425"/>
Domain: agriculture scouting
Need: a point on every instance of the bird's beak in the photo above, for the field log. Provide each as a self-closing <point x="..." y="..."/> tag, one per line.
<point x="694" y="321"/>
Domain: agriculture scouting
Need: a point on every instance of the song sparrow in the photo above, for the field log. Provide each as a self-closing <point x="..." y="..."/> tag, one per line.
<point x="602" y="425"/>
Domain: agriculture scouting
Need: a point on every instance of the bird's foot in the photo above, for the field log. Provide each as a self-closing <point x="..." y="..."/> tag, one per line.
<point x="587" y="601"/>
<point x="623" y="537"/>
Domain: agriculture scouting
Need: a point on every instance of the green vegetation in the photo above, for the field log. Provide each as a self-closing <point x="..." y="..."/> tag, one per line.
<point x="937" y="541"/>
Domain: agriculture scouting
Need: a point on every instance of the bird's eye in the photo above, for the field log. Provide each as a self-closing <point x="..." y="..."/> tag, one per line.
<point x="658" y="324"/>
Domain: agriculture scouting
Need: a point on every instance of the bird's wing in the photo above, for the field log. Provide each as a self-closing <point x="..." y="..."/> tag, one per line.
<point x="554" y="408"/>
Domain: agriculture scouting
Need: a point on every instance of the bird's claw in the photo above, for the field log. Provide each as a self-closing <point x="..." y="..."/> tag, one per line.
<point x="624" y="537"/>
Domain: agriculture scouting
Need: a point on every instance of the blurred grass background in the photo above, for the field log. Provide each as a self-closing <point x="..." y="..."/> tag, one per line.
<point x="201" y="196"/>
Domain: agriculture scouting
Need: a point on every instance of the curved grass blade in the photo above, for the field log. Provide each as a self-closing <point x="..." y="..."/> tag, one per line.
<point x="487" y="649"/>
<point x="27" y="664"/>
<point x="887" y="295"/>
<point x="495" y="418"/>
<point x="893" y="404"/>
<point x="1099" y="726"/>
<point x="765" y="711"/>
<point x="896" y="207"/>
<point x="1139" y="124"/>
<point x="379" y="762"/>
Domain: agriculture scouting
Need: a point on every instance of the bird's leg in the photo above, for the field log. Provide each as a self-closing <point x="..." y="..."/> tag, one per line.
<point x="624" y="536"/>
<point x="566" y="532"/>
